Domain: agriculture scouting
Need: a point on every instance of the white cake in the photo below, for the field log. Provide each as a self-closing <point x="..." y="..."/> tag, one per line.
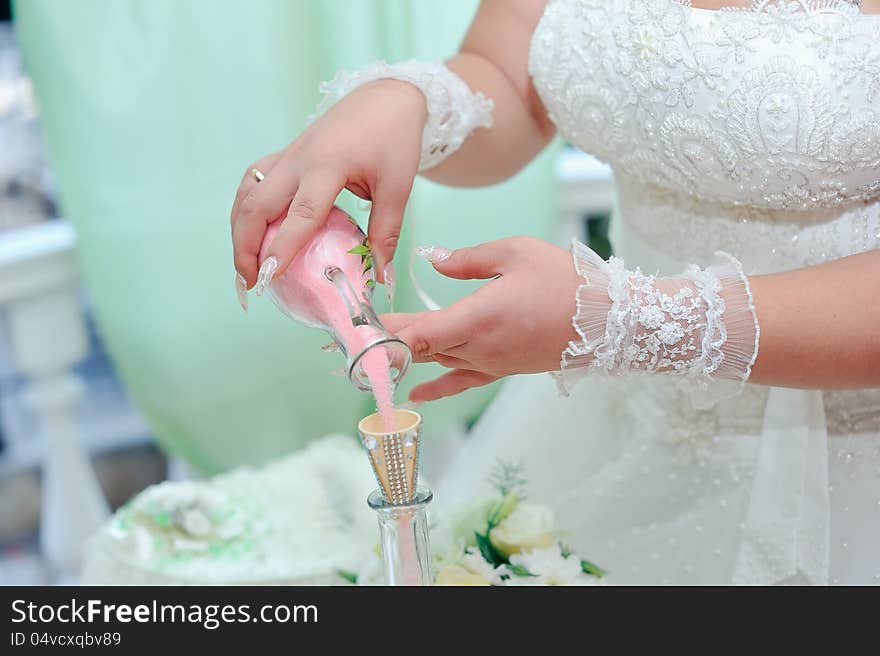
<point x="299" y="520"/>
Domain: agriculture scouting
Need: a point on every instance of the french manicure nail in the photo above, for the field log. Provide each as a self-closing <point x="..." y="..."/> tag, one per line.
<point x="434" y="254"/>
<point x="267" y="270"/>
<point x="410" y="405"/>
<point x="241" y="290"/>
<point x="388" y="275"/>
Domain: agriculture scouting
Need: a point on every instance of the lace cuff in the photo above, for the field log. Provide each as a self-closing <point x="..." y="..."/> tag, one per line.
<point x="700" y="325"/>
<point x="454" y="111"/>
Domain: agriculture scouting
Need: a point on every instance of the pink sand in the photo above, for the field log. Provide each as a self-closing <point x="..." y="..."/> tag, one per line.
<point x="306" y="295"/>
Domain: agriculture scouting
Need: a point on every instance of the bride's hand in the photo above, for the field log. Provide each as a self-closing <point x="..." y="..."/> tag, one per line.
<point x="520" y="322"/>
<point x="369" y="142"/>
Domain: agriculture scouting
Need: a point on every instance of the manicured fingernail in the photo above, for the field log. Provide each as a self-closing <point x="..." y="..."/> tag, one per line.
<point x="434" y="254"/>
<point x="267" y="270"/>
<point x="388" y="275"/>
<point x="410" y="405"/>
<point x="241" y="290"/>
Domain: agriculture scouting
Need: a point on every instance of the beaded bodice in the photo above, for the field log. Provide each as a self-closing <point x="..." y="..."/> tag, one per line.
<point x="755" y="131"/>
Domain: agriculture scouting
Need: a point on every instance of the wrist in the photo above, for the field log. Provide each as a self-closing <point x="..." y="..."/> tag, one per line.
<point x="404" y="96"/>
<point x="450" y="111"/>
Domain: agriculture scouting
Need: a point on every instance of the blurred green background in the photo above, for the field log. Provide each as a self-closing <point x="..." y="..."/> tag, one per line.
<point x="151" y="110"/>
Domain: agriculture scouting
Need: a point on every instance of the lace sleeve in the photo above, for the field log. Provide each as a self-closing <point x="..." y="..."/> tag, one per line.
<point x="454" y="111"/>
<point x="700" y="325"/>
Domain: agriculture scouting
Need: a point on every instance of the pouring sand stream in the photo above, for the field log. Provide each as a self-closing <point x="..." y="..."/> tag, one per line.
<point x="305" y="293"/>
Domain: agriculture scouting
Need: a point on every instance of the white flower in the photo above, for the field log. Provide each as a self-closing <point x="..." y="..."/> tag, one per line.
<point x="704" y="67"/>
<point x="474" y="562"/>
<point x="549" y="567"/>
<point x="737" y="35"/>
<point x="529" y="526"/>
<point x="470" y="569"/>
<point x="651" y="317"/>
<point x="671" y="333"/>
<point x="785" y="21"/>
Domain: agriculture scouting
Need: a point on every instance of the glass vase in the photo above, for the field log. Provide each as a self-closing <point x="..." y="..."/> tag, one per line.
<point x="403" y="534"/>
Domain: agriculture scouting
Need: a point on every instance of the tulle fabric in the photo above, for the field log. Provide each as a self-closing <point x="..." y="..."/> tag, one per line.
<point x="710" y="312"/>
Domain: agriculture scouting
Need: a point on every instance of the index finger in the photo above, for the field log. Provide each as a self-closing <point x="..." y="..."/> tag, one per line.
<point x="306" y="214"/>
<point x="439" y="330"/>
<point x="396" y="321"/>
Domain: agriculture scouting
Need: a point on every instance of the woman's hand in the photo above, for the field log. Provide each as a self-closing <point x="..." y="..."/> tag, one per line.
<point x="520" y="322"/>
<point x="369" y="143"/>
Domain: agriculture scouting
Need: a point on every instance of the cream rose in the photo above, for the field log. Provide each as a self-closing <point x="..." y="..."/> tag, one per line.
<point x="528" y="527"/>
<point x="459" y="575"/>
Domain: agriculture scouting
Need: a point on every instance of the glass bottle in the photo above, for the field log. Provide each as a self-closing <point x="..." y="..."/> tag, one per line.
<point x="329" y="285"/>
<point x="403" y="534"/>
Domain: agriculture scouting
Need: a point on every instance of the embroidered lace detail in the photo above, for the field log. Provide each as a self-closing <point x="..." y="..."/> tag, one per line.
<point x="790" y="7"/>
<point x="454" y="111"/>
<point x="774" y="107"/>
<point x="765" y="241"/>
<point x="701" y="325"/>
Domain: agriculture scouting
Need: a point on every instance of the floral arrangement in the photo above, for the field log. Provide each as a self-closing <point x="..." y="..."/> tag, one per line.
<point x="180" y="521"/>
<point x="500" y="540"/>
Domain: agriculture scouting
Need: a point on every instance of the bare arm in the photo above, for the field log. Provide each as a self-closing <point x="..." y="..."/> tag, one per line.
<point x="369" y="142"/>
<point x="820" y="326"/>
<point x="494" y="59"/>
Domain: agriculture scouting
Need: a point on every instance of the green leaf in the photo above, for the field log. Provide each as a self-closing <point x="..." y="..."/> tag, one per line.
<point x="368" y="263"/>
<point x="351" y="577"/>
<point x="360" y="249"/>
<point x="564" y="550"/>
<point x="370" y="283"/>
<point x="509" y="477"/>
<point x="490" y="554"/>
<point x="502" y="509"/>
<point x="591" y="569"/>
<point x="519" y="570"/>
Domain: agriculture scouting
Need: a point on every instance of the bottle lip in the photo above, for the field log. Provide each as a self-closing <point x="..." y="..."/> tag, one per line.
<point x="385" y="339"/>
<point x="379" y="503"/>
<point x="401" y="428"/>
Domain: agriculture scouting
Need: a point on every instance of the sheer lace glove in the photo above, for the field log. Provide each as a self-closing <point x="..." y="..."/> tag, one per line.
<point x="700" y="325"/>
<point x="454" y="111"/>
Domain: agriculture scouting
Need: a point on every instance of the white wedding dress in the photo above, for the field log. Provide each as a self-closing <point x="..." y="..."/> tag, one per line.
<point x="751" y="131"/>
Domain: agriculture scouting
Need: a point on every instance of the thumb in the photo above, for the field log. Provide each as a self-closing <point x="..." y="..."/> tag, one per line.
<point x="472" y="263"/>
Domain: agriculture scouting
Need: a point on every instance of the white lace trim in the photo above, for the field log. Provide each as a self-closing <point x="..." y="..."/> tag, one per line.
<point x="750" y="304"/>
<point x="792" y="6"/>
<point x="454" y="111"/>
<point x="701" y="325"/>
